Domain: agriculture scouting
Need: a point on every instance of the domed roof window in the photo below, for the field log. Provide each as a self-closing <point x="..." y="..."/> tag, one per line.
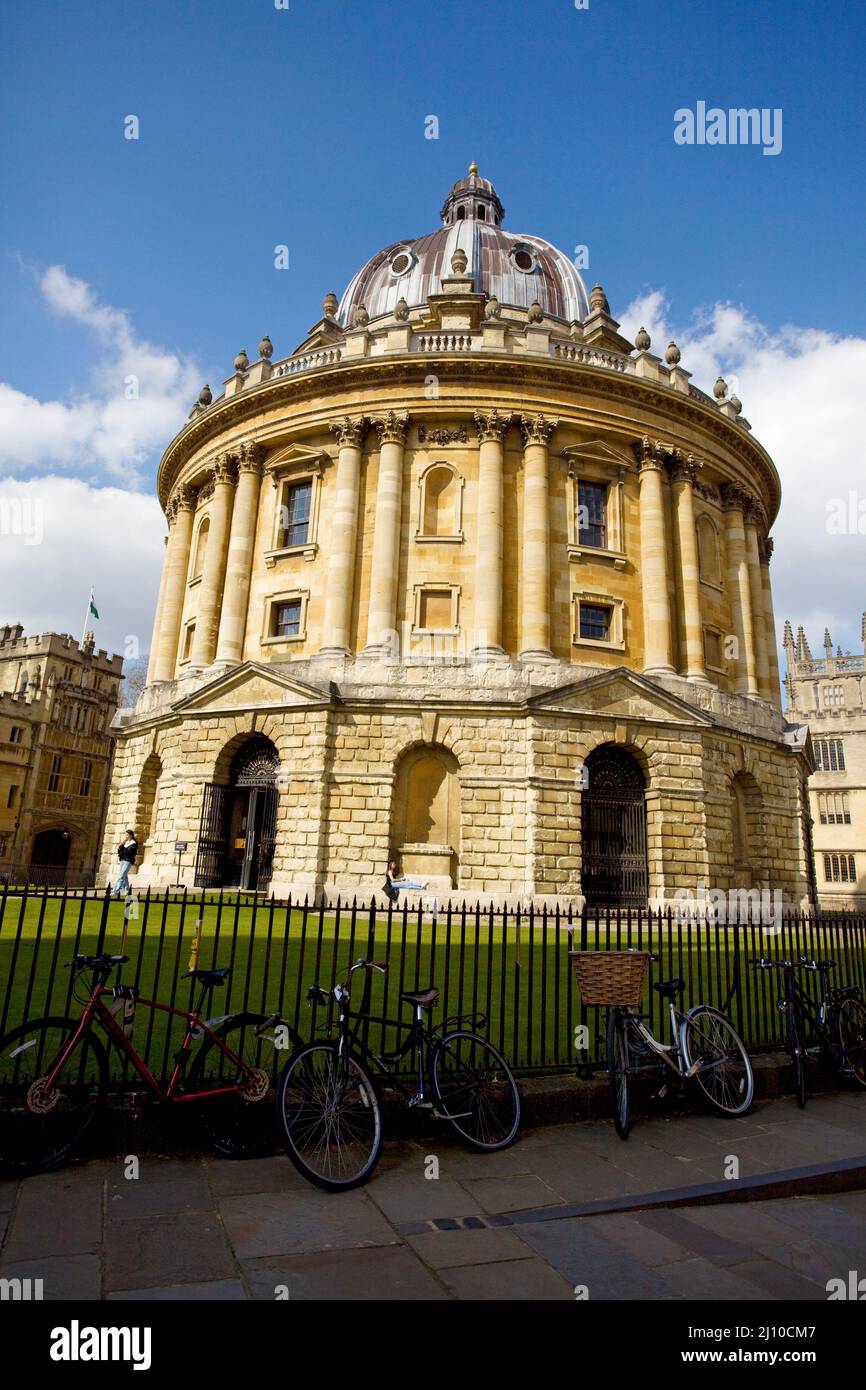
<point x="516" y="270"/>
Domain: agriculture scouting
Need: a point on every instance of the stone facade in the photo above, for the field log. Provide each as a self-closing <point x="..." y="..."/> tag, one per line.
<point x="828" y="694"/>
<point x="57" y="702"/>
<point x="439" y="562"/>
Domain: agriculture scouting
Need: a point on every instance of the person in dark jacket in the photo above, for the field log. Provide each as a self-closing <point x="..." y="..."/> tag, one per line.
<point x="127" y="852"/>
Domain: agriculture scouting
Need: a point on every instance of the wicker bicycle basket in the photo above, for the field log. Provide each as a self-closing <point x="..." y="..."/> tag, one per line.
<point x="610" y="977"/>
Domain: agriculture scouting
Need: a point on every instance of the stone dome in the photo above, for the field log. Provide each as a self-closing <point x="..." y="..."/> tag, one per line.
<point x="515" y="269"/>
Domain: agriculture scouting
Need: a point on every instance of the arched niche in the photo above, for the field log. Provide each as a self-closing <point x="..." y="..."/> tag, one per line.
<point x="440" y="503"/>
<point x="425" y="818"/>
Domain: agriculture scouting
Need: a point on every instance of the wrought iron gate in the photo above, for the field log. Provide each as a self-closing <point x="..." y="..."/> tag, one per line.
<point x="212" y="837"/>
<point x="614" y="861"/>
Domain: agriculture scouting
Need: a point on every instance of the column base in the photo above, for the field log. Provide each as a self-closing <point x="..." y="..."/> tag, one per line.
<point x="659" y="671"/>
<point x="331" y="652"/>
<point x="536" y="654"/>
<point x="488" y="654"/>
<point x="699" y="677"/>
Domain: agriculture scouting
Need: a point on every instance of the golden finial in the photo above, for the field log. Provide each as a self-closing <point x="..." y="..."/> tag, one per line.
<point x="473" y="167"/>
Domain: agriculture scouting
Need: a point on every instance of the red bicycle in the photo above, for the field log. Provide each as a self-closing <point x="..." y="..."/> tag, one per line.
<point x="54" y="1072"/>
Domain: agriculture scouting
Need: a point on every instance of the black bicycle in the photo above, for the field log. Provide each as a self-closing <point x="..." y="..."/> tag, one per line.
<point x="833" y="1027"/>
<point x="329" y="1107"/>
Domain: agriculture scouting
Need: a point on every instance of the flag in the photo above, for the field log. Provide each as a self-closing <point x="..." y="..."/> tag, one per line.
<point x="93" y="608"/>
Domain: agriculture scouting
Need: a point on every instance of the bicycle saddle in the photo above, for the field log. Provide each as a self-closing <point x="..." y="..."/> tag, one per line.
<point x="211" y="977"/>
<point x="669" y="989"/>
<point x="425" y="997"/>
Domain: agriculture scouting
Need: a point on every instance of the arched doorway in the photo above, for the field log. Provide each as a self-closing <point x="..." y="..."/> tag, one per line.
<point x="49" y="856"/>
<point x="237" y="833"/>
<point x="613" y="816"/>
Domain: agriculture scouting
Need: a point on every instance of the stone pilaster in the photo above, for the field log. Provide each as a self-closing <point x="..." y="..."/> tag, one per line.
<point x="535" y="606"/>
<point x="766" y="553"/>
<point x="340" y="580"/>
<point x="735" y="502"/>
<point x="653" y="553"/>
<point x="492" y="429"/>
<point x="233" y="618"/>
<point x="213" y="575"/>
<point x="180" y="511"/>
<point x="684" y="471"/>
<point x="756" y="591"/>
<point x="382" y="611"/>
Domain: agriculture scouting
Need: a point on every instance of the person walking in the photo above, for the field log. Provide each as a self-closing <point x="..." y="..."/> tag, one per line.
<point x="393" y="884"/>
<point x="127" y="852"/>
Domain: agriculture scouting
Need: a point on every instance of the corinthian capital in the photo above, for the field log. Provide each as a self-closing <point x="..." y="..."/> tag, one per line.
<point x="684" y="467"/>
<point x="350" y="431"/>
<point x="183" y="499"/>
<point x="250" y="456"/>
<point x="492" y="426"/>
<point x="536" y="429"/>
<point x="225" y="468"/>
<point x="734" y="498"/>
<point x="650" y="454"/>
<point x="391" y="428"/>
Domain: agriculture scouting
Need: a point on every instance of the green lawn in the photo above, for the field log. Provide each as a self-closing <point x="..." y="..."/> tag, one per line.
<point x="517" y="975"/>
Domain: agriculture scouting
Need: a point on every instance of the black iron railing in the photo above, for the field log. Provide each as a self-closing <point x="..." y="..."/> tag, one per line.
<point x="511" y="965"/>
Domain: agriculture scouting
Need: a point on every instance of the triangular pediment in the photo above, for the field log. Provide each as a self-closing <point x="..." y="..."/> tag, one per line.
<point x="598" y="450"/>
<point x="622" y="694"/>
<point x="252" y="686"/>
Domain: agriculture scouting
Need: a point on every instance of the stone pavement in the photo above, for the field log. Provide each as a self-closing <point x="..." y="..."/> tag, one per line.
<point x="205" y="1228"/>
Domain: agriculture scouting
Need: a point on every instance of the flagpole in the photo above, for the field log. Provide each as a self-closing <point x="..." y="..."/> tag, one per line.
<point x="86" y="617"/>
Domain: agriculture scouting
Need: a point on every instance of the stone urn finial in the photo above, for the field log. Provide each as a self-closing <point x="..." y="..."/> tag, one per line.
<point x="205" y="395"/>
<point x="598" y="300"/>
<point x="673" y="355"/>
<point x="401" y="310"/>
<point x="720" y="390"/>
<point x="360" y="318"/>
<point x="493" y="309"/>
<point x="266" y="349"/>
<point x="459" y="261"/>
<point x="242" y="362"/>
<point x="330" y="305"/>
<point x="737" y="404"/>
<point x="642" y="341"/>
<point x="535" y="313"/>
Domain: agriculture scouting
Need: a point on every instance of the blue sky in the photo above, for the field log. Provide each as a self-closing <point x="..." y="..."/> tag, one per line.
<point x="305" y="126"/>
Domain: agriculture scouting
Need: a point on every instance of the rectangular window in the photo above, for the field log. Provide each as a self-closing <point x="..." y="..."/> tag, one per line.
<point x="54" y="774"/>
<point x="595" y="621"/>
<point x="4" y="846"/>
<point x="592" y="514"/>
<point x="16" y="734"/>
<point x="287" y="619"/>
<point x="713" y="648"/>
<point x="834" y="695"/>
<point x="11" y="797"/>
<point x="86" y="774"/>
<point x="830" y="755"/>
<point x="188" y="641"/>
<point x="295" y="514"/>
<point x="435" y="610"/>
<point x="840" y="868"/>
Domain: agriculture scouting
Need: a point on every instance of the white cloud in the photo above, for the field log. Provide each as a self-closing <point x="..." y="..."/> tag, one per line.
<point x="139" y="397"/>
<point x="59" y="536"/>
<point x="802" y="392"/>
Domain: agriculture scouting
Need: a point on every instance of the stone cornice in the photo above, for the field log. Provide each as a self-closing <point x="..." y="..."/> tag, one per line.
<point x="588" y="384"/>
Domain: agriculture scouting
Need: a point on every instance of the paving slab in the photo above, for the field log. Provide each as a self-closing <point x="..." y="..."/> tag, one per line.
<point x="159" y="1251"/>
<point x="449" y="1249"/>
<point x="508" y="1281"/>
<point x="218" y="1290"/>
<point x="396" y="1274"/>
<point x="294" y="1223"/>
<point x="580" y="1252"/>
<point x="163" y="1187"/>
<point x="56" y="1214"/>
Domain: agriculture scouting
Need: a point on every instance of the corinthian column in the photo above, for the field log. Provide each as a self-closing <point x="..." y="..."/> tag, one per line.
<point x="340" y="580"/>
<point x="653" y="559"/>
<point x="153" y="658"/>
<point x="683" y="475"/>
<point x="492" y="429"/>
<point x="180" y="512"/>
<point x="773" y="691"/>
<point x="213" y="575"/>
<point x="245" y="515"/>
<point x="735" y="502"/>
<point x="382" y="611"/>
<point x="756" y="593"/>
<point x="535" y="609"/>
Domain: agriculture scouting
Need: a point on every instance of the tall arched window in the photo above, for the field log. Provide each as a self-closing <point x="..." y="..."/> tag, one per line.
<point x="200" y="548"/>
<point x="708" y="550"/>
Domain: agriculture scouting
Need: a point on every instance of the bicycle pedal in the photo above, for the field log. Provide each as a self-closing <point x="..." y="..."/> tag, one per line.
<point x="693" y="1070"/>
<point x="415" y="1104"/>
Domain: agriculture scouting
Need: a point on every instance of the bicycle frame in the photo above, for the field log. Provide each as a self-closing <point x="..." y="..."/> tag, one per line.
<point x="814" y="1015"/>
<point x="669" y="1053"/>
<point x="96" y="1009"/>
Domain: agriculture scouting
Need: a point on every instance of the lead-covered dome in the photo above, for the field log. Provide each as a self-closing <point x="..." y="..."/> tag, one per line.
<point x="516" y="270"/>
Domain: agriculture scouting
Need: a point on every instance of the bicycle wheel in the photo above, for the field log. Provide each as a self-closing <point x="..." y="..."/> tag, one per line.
<point x="711" y="1043"/>
<point x="329" y="1117"/>
<point x="851" y="1038"/>
<point x="475" y="1091"/>
<point x="239" y="1123"/>
<point x="617" y="1071"/>
<point x="40" y="1129"/>
<point x="797" y="1049"/>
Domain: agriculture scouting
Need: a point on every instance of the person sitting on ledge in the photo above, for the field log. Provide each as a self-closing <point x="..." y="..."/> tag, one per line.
<point x="393" y="884"/>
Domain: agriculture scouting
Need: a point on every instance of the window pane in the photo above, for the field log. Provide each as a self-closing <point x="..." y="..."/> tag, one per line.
<point x="591" y="498"/>
<point x="296" y="514"/>
<point x="287" y="619"/>
<point x="595" y="622"/>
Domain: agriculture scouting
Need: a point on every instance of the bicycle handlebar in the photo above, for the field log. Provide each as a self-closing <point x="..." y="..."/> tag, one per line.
<point x="362" y="964"/>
